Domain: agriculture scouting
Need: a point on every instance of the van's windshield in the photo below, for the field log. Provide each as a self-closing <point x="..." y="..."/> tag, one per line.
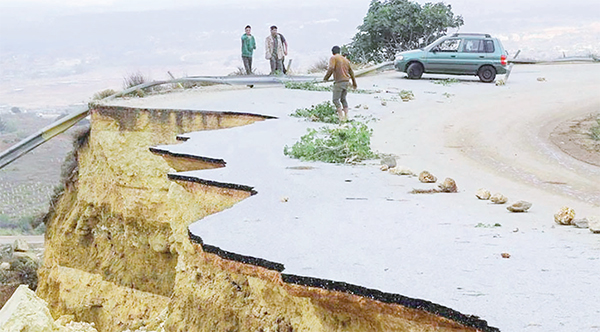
<point x="434" y="43"/>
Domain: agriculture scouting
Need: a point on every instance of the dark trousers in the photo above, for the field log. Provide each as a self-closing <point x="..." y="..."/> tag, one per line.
<point x="247" y="64"/>
<point x="276" y="65"/>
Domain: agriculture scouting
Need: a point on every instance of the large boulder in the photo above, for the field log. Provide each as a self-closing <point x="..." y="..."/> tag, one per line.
<point x="25" y="312"/>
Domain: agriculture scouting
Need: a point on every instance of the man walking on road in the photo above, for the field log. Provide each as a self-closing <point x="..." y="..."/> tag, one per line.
<point x="342" y="72"/>
<point x="248" y="47"/>
<point x="276" y="49"/>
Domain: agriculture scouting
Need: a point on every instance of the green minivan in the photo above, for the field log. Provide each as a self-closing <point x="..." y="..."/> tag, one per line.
<point x="457" y="54"/>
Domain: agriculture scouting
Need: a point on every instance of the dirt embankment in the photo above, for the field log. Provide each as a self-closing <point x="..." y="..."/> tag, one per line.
<point x="574" y="138"/>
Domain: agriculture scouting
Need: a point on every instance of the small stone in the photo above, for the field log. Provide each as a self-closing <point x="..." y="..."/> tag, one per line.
<point x="580" y="223"/>
<point x="5" y="266"/>
<point x="384" y="167"/>
<point x="564" y="216"/>
<point x="358" y="106"/>
<point x="389" y="161"/>
<point x="427" y="177"/>
<point x="505" y="255"/>
<point x="284" y="199"/>
<point x="401" y="170"/>
<point x="541" y="79"/>
<point x="594" y="224"/>
<point x="21" y="245"/>
<point x="519" y="206"/>
<point x="500" y="82"/>
<point x="483" y="194"/>
<point x="366" y="107"/>
<point x="448" y="186"/>
<point x="498" y="198"/>
<point x="383" y="103"/>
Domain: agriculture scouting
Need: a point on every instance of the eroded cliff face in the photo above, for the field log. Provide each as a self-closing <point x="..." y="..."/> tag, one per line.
<point x="118" y="252"/>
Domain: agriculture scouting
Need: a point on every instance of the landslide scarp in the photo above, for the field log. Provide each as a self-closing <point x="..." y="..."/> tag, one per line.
<point x="119" y="253"/>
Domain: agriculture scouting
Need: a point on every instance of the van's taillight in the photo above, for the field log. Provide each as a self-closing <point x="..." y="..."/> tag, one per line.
<point x="503" y="60"/>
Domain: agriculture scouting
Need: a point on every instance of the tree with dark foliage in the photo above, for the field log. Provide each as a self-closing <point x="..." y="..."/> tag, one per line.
<point x="393" y="26"/>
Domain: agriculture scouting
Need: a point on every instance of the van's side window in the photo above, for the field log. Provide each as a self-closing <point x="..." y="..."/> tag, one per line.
<point x="489" y="46"/>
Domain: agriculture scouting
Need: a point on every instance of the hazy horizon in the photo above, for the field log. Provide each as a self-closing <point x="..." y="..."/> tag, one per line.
<point x="84" y="46"/>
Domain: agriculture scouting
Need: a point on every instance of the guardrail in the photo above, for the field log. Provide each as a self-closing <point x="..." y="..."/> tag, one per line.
<point x="61" y="125"/>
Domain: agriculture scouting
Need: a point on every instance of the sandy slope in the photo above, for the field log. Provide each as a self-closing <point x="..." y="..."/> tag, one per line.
<point x="360" y="225"/>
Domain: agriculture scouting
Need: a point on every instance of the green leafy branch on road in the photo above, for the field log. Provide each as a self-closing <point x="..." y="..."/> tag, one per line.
<point x="314" y="86"/>
<point x="323" y="112"/>
<point x="349" y="143"/>
<point x="446" y="82"/>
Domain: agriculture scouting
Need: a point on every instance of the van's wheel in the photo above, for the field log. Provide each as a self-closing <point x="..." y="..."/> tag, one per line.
<point x="414" y="71"/>
<point x="487" y="74"/>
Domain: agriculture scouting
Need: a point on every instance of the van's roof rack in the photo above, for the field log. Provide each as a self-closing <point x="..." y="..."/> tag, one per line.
<point x="486" y="35"/>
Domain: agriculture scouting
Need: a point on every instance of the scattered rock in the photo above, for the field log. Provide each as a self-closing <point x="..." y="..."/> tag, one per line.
<point x="366" y="107"/>
<point x="505" y="255"/>
<point x="383" y="103"/>
<point x="358" y="106"/>
<point x="284" y="199"/>
<point x="500" y="82"/>
<point x="564" y="216"/>
<point x="594" y="224"/>
<point x="519" y="206"/>
<point x="21" y="245"/>
<point x="4" y="266"/>
<point x="427" y="177"/>
<point x="82" y="327"/>
<point x="448" y="186"/>
<point x="384" y="167"/>
<point x="389" y="161"/>
<point x="498" y="198"/>
<point x="541" y="79"/>
<point x="483" y="194"/>
<point x="401" y="170"/>
<point x="580" y="223"/>
<point x="24" y="311"/>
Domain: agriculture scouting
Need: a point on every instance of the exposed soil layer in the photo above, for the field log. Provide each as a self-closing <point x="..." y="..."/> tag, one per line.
<point x="573" y="138"/>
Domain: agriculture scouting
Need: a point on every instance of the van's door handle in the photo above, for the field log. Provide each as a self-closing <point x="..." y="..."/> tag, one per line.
<point x="453" y="56"/>
<point x="482" y="56"/>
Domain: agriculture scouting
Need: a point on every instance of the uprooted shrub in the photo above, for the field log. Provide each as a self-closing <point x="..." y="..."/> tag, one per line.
<point x="323" y="112"/>
<point x="350" y="143"/>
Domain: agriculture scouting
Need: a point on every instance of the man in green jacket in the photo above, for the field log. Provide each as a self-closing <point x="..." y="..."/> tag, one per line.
<point x="248" y="47"/>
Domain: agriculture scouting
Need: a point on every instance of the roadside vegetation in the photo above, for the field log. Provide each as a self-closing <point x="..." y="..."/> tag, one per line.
<point x="393" y="26"/>
<point x="348" y="143"/>
<point x="595" y="130"/>
<point x="103" y="94"/>
<point x="319" y="67"/>
<point x="134" y="79"/>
